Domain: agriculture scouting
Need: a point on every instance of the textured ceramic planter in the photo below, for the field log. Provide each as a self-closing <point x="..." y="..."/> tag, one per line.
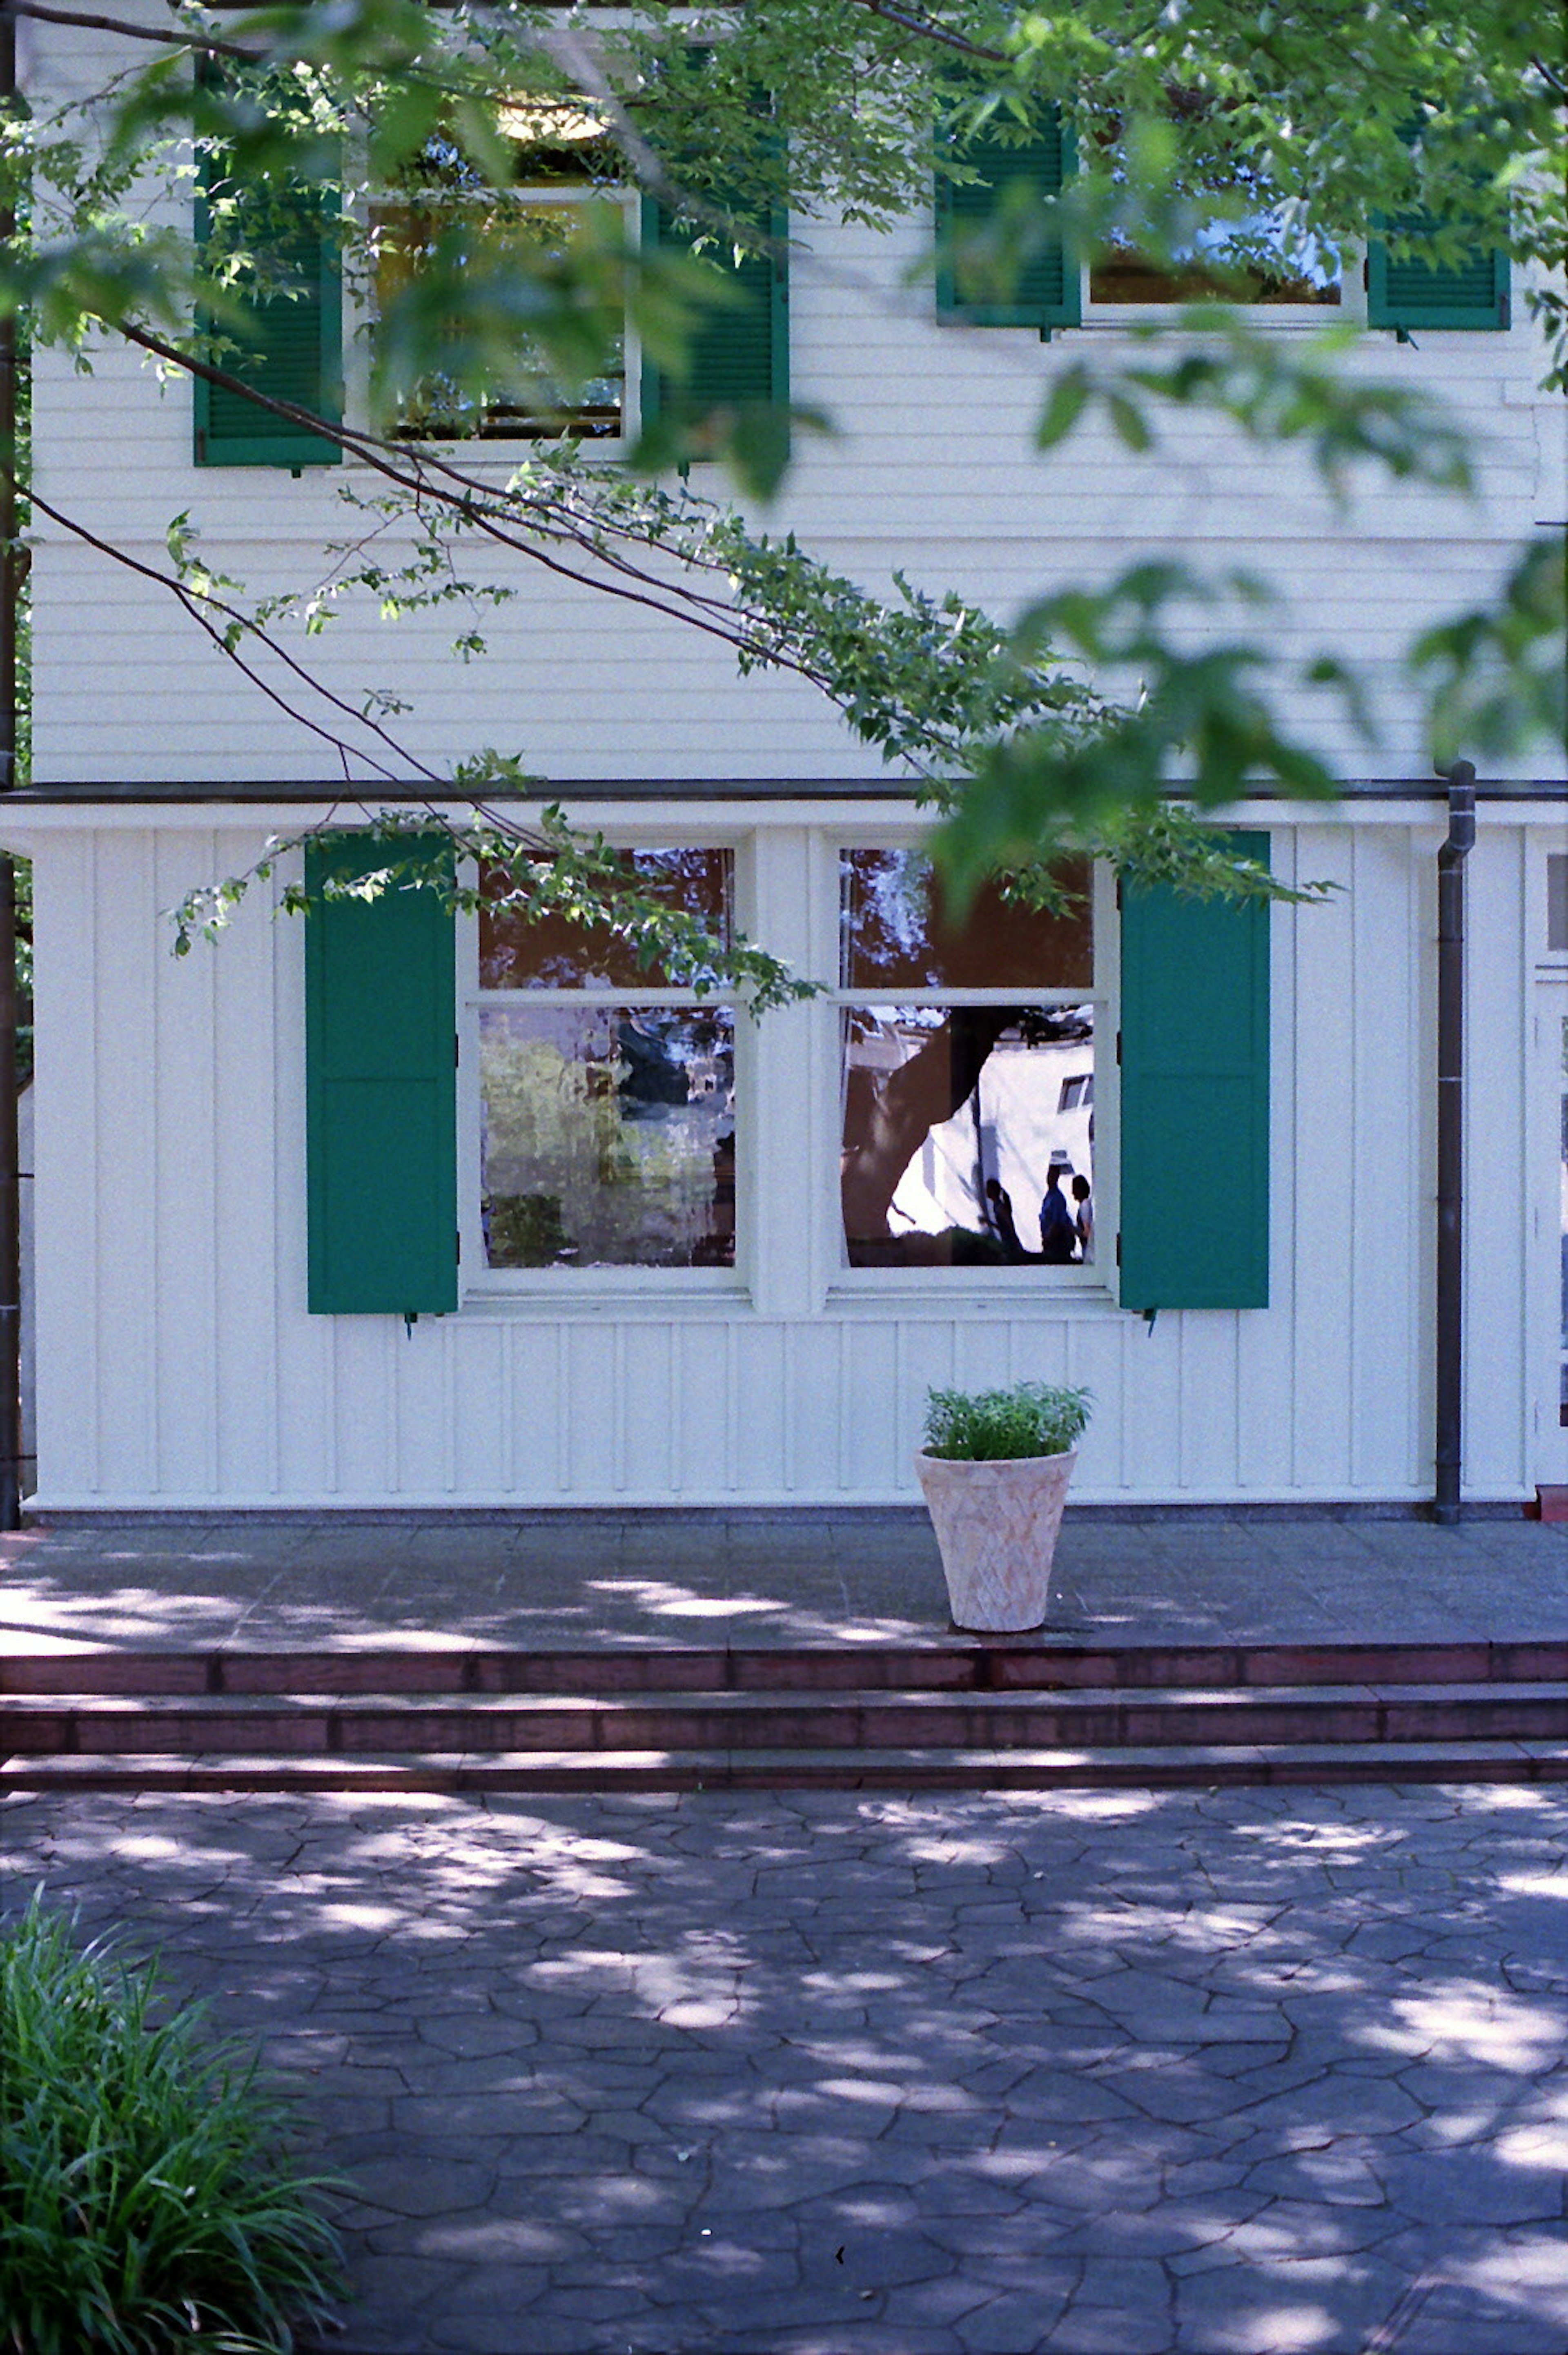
<point x="995" y="1522"/>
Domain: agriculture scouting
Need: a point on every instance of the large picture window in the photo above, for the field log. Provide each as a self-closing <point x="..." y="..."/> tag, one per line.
<point x="966" y="1073"/>
<point x="606" y="1098"/>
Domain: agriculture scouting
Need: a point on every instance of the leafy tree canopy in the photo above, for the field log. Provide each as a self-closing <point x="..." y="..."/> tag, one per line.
<point x="1299" y="132"/>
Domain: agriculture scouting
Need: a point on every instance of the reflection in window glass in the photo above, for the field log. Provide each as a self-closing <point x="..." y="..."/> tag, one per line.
<point x="1215" y="275"/>
<point x="497" y="236"/>
<point x="892" y="935"/>
<point x="968" y="1135"/>
<point x="608" y="1137"/>
<point x="554" y="953"/>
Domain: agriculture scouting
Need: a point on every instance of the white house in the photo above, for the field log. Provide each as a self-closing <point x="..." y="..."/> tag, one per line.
<point x="390" y="1209"/>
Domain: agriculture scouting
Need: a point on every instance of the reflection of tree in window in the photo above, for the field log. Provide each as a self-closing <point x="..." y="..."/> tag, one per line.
<point x="504" y="241"/>
<point x="1252" y="251"/>
<point x="608" y="1126"/>
<point x="909" y="1074"/>
<point x="955" y="1113"/>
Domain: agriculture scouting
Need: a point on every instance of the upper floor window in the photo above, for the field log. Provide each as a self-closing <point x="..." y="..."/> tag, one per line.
<point x="507" y="244"/>
<point x="1251" y="254"/>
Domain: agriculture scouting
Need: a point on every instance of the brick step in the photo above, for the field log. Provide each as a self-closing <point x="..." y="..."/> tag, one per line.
<point x="296" y="1727"/>
<point x="1154" y="1768"/>
<point x="960" y="1664"/>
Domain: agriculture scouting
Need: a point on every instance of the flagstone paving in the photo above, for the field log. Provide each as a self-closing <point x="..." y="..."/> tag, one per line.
<point x="1241" y="2073"/>
<point x="565" y="1580"/>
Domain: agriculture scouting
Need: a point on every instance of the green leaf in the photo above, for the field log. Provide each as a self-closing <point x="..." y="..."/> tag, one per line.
<point x="1069" y="396"/>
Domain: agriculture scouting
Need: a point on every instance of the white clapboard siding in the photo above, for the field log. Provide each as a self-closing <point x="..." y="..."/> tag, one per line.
<point x="177" y="1365"/>
<point x="579" y="692"/>
<point x="931" y="469"/>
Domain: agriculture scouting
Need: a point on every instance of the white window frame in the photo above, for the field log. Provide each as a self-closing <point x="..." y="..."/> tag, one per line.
<point x="1023" y="1287"/>
<point x="790" y="1253"/>
<point x="504" y="453"/>
<point x="562" y="1286"/>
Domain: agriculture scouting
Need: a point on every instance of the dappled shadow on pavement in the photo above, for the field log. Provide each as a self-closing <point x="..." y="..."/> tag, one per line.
<point x="844" y="2075"/>
<point x="581" y="1580"/>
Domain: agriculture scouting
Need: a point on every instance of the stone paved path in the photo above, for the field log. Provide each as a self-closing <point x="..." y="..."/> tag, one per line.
<point x="1105" y="2074"/>
<point x="800" y="1577"/>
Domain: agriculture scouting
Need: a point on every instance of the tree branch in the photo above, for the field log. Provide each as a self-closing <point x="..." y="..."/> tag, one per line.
<point x="205" y="43"/>
<point x="928" y="31"/>
<point x="194" y="601"/>
<point x="472" y="501"/>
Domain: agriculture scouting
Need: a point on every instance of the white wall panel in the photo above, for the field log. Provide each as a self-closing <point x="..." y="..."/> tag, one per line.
<point x="179" y="1081"/>
<point x="124" y="1159"/>
<point x="177" y="1364"/>
<point x="64" y="1119"/>
<point x="1498" y="1063"/>
<point x="249" y="1160"/>
<point x="1325" y="1145"/>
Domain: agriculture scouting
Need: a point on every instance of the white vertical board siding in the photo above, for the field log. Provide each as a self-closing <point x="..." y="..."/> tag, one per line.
<point x="178" y="1365"/>
<point x="1323" y="1146"/>
<point x="1498" y="1064"/>
<point x="65" y="1124"/>
<point x="124" y="1018"/>
<point x="1389" y="1149"/>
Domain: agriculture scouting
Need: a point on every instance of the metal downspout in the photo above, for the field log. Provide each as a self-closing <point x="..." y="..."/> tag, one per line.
<point x="1450" y="1348"/>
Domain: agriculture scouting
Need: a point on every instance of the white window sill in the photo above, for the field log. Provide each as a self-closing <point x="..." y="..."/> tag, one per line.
<point x="940" y="1291"/>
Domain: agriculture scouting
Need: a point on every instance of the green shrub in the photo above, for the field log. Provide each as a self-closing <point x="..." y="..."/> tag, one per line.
<point x="144" y="2210"/>
<point x="1031" y="1418"/>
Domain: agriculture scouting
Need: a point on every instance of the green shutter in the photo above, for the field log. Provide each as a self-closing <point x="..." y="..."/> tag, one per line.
<point x="1471" y="292"/>
<point x="1195" y="1099"/>
<point x="1047" y="292"/>
<point x="739" y="354"/>
<point x="1405" y="293"/>
<point x="292" y="349"/>
<point x="381" y="1093"/>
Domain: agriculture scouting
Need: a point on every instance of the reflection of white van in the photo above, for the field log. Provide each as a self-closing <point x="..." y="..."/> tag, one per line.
<point x="1033" y="1109"/>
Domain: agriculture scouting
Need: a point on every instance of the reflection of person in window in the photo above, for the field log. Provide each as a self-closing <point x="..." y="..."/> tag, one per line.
<point x="1083" y="1219"/>
<point x="999" y="1218"/>
<point x="1058" y="1234"/>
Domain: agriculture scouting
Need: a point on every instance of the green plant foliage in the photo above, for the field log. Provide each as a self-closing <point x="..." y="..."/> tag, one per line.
<point x="144" y="2207"/>
<point x="1437" y="131"/>
<point x="543" y="868"/>
<point x="983" y="1426"/>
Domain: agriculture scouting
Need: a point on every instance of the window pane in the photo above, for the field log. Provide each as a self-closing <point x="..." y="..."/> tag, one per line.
<point x="892" y="935"/>
<point x="1123" y="275"/>
<point x="968" y="1135"/>
<point x="608" y="1137"/>
<point x="557" y="955"/>
<point x="493" y="238"/>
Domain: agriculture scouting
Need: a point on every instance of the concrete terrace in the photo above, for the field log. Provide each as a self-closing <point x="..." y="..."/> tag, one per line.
<point x="579" y="1580"/>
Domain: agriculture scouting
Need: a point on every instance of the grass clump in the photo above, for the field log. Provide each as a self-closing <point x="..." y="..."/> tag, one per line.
<point x="144" y="2208"/>
<point x="1031" y="1419"/>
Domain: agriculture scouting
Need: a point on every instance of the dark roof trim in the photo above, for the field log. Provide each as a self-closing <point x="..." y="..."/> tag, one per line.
<point x="683" y="789"/>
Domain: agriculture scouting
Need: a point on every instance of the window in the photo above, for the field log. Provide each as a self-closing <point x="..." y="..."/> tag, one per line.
<point x="1265" y="261"/>
<point x="919" y="1118"/>
<point x="1556" y="902"/>
<point x="1253" y="261"/>
<point x="605" y="1111"/>
<point x="966" y="1068"/>
<point x="566" y="175"/>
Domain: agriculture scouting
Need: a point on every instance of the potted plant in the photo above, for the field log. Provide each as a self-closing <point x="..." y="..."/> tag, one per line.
<point x="994" y="1470"/>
